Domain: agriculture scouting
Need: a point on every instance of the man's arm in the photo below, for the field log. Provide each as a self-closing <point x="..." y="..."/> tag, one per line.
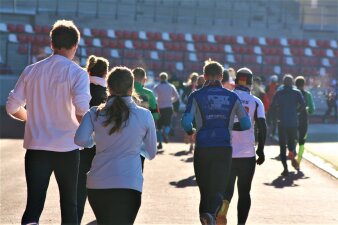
<point x="81" y="94"/>
<point x="261" y="127"/>
<point x="153" y="106"/>
<point x="242" y="115"/>
<point x="188" y="116"/>
<point x="311" y="104"/>
<point x="17" y="100"/>
<point x="83" y="136"/>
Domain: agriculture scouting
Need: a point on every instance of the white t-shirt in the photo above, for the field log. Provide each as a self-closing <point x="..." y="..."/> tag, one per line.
<point x="243" y="142"/>
<point x="54" y="91"/>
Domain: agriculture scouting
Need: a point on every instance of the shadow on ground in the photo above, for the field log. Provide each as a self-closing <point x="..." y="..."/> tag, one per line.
<point x="182" y="153"/>
<point x="287" y="181"/>
<point x="187" y="182"/>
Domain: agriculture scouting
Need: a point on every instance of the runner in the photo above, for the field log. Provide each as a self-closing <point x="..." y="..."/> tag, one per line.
<point x="148" y="99"/>
<point x="243" y="150"/>
<point x="303" y="116"/>
<point x="189" y="87"/>
<point x="227" y="81"/>
<point x="166" y="96"/>
<point x="213" y="108"/>
<point x="56" y="94"/>
<point x="115" y="178"/>
<point x="97" y="68"/>
<point x="286" y="104"/>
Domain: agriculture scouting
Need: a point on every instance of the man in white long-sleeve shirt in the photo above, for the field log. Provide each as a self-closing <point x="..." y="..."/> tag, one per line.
<point x="56" y="94"/>
<point x="166" y="94"/>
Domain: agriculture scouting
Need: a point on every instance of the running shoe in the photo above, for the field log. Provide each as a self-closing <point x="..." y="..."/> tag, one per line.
<point x="295" y="163"/>
<point x="159" y="146"/>
<point x="285" y="172"/>
<point x="207" y="219"/>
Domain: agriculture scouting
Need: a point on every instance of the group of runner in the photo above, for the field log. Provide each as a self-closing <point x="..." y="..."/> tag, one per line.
<point x="64" y="105"/>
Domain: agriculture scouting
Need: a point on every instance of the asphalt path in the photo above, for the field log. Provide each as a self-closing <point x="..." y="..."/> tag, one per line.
<point x="171" y="196"/>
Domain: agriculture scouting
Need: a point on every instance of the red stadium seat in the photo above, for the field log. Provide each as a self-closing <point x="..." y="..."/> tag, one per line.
<point x="95" y="32"/>
<point x="22" y="38"/>
<point x="119" y="34"/>
<point x="46" y="29"/>
<point x="37" y="29"/>
<point x="20" y="28"/>
<point x="11" y="28"/>
<point x="23" y="49"/>
<point x="103" y="33"/>
<point x="323" y="43"/>
<point x="89" y="41"/>
<point x="105" y="42"/>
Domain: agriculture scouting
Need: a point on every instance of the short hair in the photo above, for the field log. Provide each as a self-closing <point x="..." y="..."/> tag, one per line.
<point x="226" y="76"/>
<point x="163" y="76"/>
<point x="300" y="81"/>
<point x="288" y="80"/>
<point x="64" y="34"/>
<point x="212" y="68"/>
<point x="139" y="73"/>
<point x="97" y="66"/>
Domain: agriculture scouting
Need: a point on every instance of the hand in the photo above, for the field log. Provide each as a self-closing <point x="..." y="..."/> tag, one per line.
<point x="260" y="160"/>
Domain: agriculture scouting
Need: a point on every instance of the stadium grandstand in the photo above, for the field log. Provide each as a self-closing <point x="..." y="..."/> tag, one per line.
<point x="270" y="37"/>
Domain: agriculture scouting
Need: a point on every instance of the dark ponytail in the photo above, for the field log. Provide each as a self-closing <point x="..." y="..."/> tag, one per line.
<point x="120" y="81"/>
<point x="97" y="66"/>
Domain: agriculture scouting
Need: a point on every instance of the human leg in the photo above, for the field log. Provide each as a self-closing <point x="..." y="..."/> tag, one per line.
<point x="66" y="168"/>
<point x="38" y="169"/>
<point x="302" y="132"/>
<point x="86" y="158"/>
<point x="245" y="176"/>
<point x="282" y="146"/>
<point x="291" y="140"/>
<point x="115" y="206"/>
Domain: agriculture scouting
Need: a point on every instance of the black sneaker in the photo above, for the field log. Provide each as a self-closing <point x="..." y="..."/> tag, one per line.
<point x="207" y="219"/>
<point x="159" y="146"/>
<point x="285" y="173"/>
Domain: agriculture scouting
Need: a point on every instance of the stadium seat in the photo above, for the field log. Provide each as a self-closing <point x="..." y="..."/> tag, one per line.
<point x="188" y="37"/>
<point x="46" y="29"/>
<point x="12" y="38"/>
<point x="3" y="27"/>
<point x="87" y="32"/>
<point x="23" y="49"/>
<point x="165" y="36"/>
<point x="89" y="41"/>
<point x="97" y="42"/>
<point x="142" y="35"/>
<point x="95" y="32"/>
<point x="329" y="53"/>
<point x="105" y="42"/>
<point x="211" y="38"/>
<point x="11" y="28"/>
<point x="111" y="33"/>
<point x="323" y="43"/>
<point x="29" y="28"/>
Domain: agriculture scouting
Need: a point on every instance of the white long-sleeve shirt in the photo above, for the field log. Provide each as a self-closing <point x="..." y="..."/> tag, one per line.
<point x="243" y="142"/>
<point x="54" y="91"/>
<point x="117" y="163"/>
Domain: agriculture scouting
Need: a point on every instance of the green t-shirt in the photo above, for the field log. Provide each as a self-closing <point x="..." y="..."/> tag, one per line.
<point x="148" y="99"/>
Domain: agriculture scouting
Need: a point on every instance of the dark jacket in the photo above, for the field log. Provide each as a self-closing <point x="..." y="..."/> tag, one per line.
<point x="98" y="93"/>
<point x="286" y="104"/>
